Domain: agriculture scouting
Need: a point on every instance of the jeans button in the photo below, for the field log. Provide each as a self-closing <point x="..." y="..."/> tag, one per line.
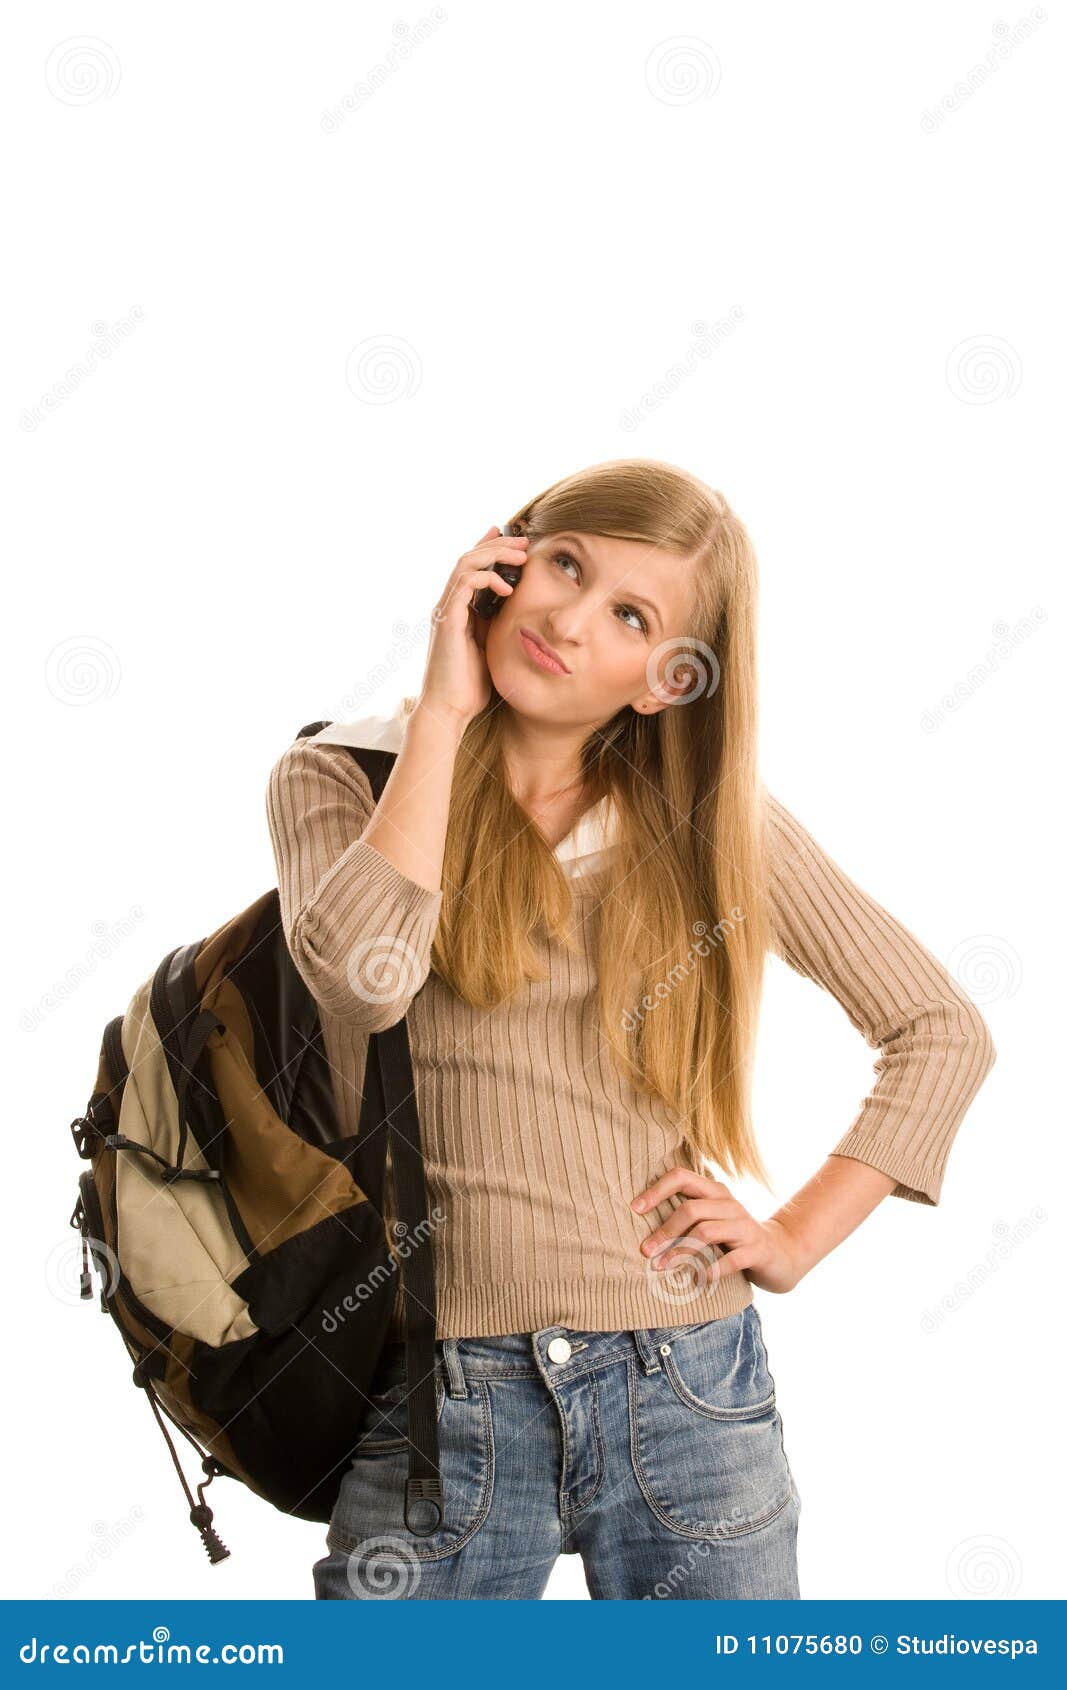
<point x="559" y="1350"/>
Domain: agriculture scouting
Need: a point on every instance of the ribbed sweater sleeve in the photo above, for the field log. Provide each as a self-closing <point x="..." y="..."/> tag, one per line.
<point x="358" y="930"/>
<point x="935" y="1047"/>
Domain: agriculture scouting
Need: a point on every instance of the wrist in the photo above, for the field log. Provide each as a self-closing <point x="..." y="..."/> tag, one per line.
<point x="429" y="717"/>
<point x="792" y="1248"/>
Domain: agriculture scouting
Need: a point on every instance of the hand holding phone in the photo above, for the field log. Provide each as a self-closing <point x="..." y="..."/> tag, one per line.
<point x="485" y="602"/>
<point x="457" y="682"/>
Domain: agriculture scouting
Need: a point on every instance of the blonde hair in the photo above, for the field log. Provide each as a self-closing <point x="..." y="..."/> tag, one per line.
<point x="689" y="803"/>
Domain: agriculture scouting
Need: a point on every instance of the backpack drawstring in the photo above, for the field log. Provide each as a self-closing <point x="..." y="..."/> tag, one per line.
<point x="171" y="1171"/>
<point x="200" y="1512"/>
<point x="77" y="1219"/>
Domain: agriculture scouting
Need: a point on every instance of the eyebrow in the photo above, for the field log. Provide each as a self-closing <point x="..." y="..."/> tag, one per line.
<point x="632" y="598"/>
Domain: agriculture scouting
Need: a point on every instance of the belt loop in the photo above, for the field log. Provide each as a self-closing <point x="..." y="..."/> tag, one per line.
<point x="644" y="1338"/>
<point x="456" y="1382"/>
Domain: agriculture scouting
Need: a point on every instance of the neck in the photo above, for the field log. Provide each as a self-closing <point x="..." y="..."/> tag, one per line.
<point x="542" y="762"/>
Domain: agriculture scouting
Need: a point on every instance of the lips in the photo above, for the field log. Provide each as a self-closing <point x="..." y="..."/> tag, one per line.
<point x="542" y="645"/>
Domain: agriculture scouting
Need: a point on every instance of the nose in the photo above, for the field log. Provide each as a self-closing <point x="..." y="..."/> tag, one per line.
<point x="567" y="626"/>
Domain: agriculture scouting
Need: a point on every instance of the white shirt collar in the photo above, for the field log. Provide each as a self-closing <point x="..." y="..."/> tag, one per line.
<point x="579" y="852"/>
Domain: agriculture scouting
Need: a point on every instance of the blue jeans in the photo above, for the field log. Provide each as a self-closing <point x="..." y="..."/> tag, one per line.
<point x="655" y="1454"/>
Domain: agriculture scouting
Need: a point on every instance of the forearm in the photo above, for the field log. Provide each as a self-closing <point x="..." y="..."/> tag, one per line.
<point x="830" y="1206"/>
<point x="410" y="822"/>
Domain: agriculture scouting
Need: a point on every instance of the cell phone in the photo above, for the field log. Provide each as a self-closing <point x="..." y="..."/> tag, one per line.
<point x="485" y="602"/>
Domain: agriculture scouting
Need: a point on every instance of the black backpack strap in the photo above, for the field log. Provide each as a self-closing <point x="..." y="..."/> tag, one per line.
<point x="424" y="1491"/>
<point x="390" y="1074"/>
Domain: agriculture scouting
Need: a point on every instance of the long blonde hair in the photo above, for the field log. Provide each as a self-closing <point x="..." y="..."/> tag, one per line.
<point x="681" y="950"/>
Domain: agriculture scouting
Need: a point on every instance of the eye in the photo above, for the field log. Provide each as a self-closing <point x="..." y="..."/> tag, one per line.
<point x="565" y="557"/>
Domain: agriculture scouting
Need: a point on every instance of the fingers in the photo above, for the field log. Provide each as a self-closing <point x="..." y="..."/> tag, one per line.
<point x="726" y="1234"/>
<point x="687" y="1215"/>
<point x="678" y="1179"/>
<point x="493" y="546"/>
<point x="466" y="582"/>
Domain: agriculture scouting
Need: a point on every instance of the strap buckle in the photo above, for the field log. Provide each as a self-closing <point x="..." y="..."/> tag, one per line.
<point x="424" y="1502"/>
<point x="82" y="1129"/>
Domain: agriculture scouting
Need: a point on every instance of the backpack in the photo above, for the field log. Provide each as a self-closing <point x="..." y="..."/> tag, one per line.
<point x="239" y="1240"/>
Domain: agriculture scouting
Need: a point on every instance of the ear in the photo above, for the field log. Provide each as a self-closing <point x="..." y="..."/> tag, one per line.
<point x="675" y="690"/>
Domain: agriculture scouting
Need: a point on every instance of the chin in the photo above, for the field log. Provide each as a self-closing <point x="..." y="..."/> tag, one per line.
<point x="519" y="687"/>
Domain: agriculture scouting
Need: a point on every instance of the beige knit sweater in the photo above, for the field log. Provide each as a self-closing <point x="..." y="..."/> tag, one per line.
<point x="534" y="1142"/>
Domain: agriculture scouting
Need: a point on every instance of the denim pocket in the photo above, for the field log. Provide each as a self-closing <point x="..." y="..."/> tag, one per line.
<point x="706" y="1436"/>
<point x="720" y="1368"/>
<point x="383" y="1424"/>
<point x="367" y="1523"/>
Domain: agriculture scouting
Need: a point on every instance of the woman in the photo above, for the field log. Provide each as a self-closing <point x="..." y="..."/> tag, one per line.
<point x="569" y="886"/>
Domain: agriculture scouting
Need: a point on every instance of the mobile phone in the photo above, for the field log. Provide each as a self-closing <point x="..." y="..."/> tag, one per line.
<point x="485" y="602"/>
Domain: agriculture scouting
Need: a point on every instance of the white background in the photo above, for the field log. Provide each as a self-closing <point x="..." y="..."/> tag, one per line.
<point x="752" y="241"/>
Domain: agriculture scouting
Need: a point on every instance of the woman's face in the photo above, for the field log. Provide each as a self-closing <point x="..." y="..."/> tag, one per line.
<point x="607" y="607"/>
